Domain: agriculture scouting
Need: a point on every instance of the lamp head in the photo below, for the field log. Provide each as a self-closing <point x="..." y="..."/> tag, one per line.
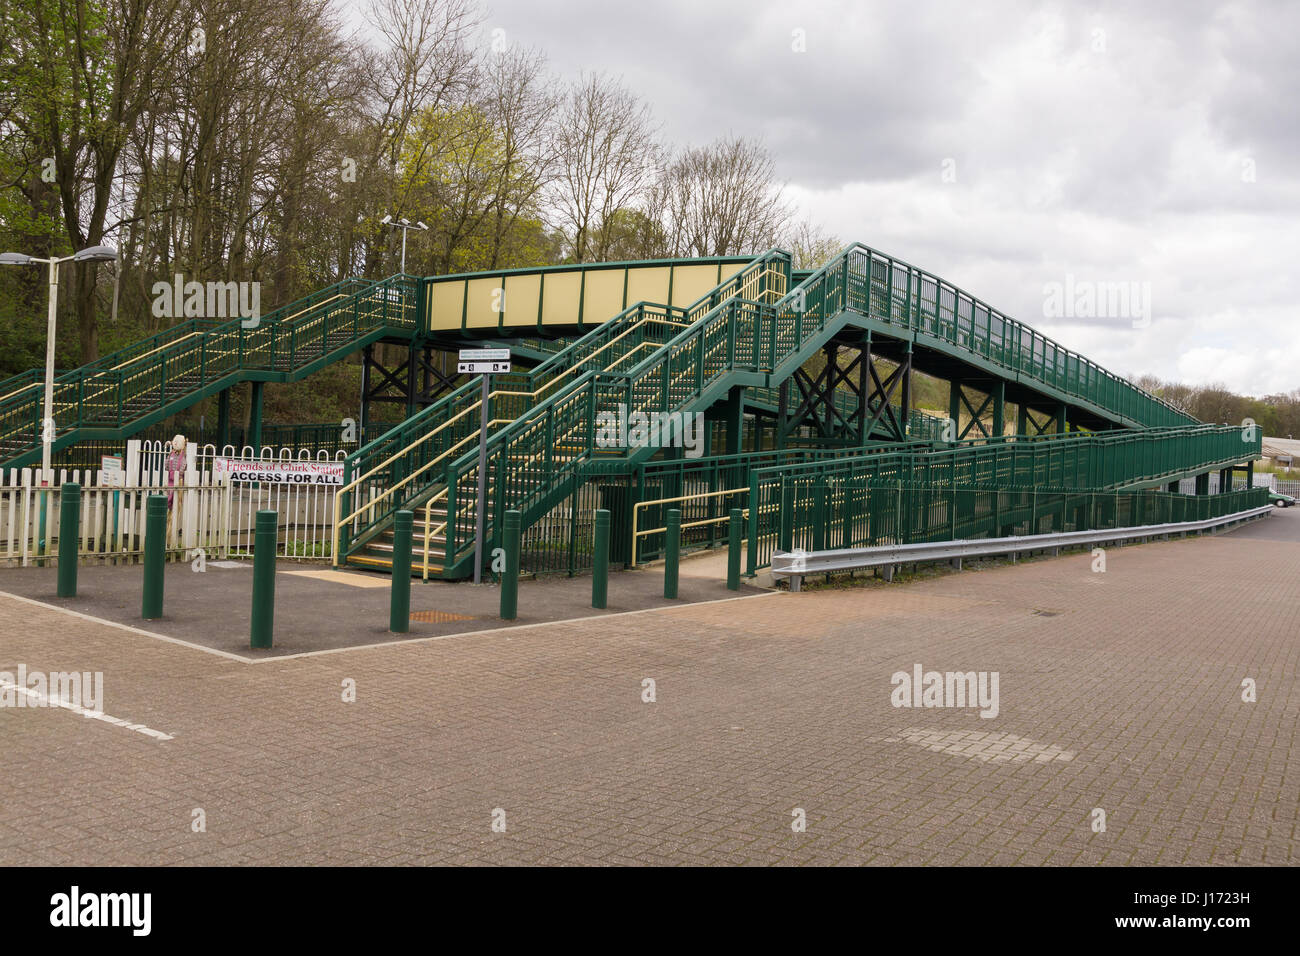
<point x="96" y="254"/>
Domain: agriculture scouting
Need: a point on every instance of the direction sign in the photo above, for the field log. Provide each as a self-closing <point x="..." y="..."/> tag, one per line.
<point x="483" y="361"/>
<point x="482" y="368"/>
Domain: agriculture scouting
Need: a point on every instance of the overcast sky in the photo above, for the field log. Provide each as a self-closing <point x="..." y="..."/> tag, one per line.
<point x="1008" y="146"/>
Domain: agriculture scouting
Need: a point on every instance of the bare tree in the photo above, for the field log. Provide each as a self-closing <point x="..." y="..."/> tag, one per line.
<point x="519" y="102"/>
<point x="809" y="247"/>
<point x="723" y="199"/>
<point x="425" y="64"/>
<point x="606" y="151"/>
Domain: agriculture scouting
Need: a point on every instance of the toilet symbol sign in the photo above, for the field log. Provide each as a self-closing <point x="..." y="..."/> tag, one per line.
<point x="483" y="361"/>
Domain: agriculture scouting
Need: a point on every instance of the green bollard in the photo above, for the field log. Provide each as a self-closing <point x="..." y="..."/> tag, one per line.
<point x="263" y="579"/>
<point x="399" y="613"/>
<point x="155" y="555"/>
<point x="510" y="577"/>
<point x="600" y="560"/>
<point x="69" y="537"/>
<point x="672" y="546"/>
<point x="733" y="549"/>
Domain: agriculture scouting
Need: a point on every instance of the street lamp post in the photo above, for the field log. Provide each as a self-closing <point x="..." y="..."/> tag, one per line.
<point x="406" y="226"/>
<point x="91" y="254"/>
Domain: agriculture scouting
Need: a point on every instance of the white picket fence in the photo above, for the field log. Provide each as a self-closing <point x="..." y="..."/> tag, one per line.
<point x="208" y="511"/>
<point x="112" y="517"/>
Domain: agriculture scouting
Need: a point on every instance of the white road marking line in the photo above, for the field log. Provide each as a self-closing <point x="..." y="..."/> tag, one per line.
<point x="362" y="647"/>
<point x="43" y="700"/>
<point x="487" y="631"/>
<point x="126" y="627"/>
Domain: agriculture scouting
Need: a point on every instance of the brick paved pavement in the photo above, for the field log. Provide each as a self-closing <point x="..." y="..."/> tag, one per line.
<point x="1122" y="688"/>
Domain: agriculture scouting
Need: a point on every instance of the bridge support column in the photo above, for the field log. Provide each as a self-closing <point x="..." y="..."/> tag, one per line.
<point x="999" y="396"/>
<point x="223" y="418"/>
<point x="975" y="425"/>
<point x="1203" y="483"/>
<point x="1225" y="481"/>
<point x="1061" y="419"/>
<point x="363" y="416"/>
<point x="1250" y="474"/>
<point x="954" y="407"/>
<point x="391" y="386"/>
<point x="874" y="404"/>
<point x="1172" y="487"/>
<point x="906" y="369"/>
<point x="1028" y="424"/>
<point x="255" y="417"/>
<point x="782" y="413"/>
<point x="434" y="382"/>
<point x="734" y="419"/>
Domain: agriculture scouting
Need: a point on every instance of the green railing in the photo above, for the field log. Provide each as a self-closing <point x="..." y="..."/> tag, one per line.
<point x="865" y="513"/>
<point x="889" y="290"/>
<point x="540" y="453"/>
<point x="24" y="380"/>
<point x="401" y="468"/>
<point x="543" y="424"/>
<point x="1073" y="461"/>
<point x="170" y="370"/>
<point x="704" y="491"/>
<point x="738" y="336"/>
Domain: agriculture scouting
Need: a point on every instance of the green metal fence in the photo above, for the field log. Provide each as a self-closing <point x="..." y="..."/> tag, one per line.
<point x="785" y="498"/>
<point x="873" y="284"/>
<point x="547" y="412"/>
<point x="860" y="513"/>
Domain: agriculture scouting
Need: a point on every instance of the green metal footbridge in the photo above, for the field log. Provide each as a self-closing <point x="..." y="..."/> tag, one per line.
<point x="803" y="382"/>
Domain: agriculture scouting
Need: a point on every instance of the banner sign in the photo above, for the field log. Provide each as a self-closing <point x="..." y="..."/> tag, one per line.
<point x="279" y="472"/>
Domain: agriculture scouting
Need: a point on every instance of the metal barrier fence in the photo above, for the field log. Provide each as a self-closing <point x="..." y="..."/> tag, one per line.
<point x="859" y="513"/>
<point x="796" y="565"/>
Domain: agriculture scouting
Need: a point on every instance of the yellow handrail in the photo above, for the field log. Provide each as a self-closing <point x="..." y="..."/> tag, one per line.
<point x="680" y="498"/>
<point x="427" y="533"/>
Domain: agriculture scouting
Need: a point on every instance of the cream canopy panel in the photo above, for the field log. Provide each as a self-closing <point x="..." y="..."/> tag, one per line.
<point x="649" y="284"/>
<point x="692" y="282"/>
<point x="603" y="297"/>
<point x="446" y="305"/>
<point x="484" y="298"/>
<point x="586" y="295"/>
<point x="522" y="293"/>
<point x="561" y="292"/>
